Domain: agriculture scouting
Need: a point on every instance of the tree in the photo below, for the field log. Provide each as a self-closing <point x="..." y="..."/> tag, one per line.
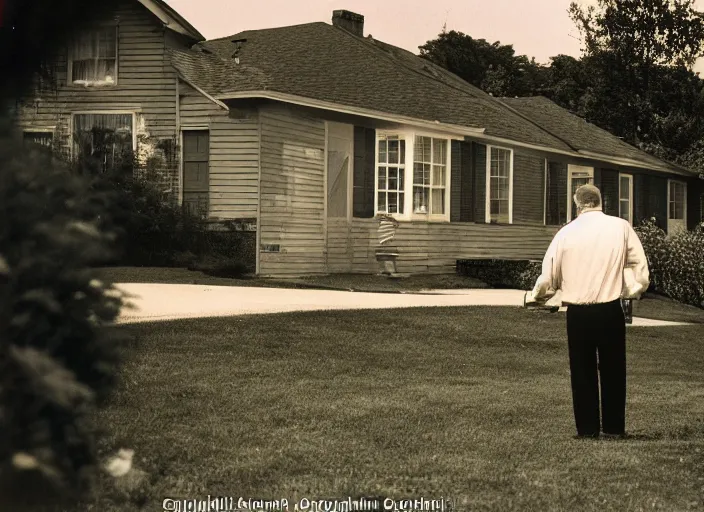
<point x="630" y="47"/>
<point x="493" y="67"/>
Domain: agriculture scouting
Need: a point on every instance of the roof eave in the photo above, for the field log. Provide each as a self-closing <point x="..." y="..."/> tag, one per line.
<point x="172" y="19"/>
<point x="346" y="109"/>
<point x="629" y="162"/>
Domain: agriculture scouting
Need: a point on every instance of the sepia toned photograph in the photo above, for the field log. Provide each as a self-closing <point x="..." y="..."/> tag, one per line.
<point x="402" y="256"/>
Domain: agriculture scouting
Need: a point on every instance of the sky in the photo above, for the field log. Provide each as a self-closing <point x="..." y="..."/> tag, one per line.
<point x="536" y="28"/>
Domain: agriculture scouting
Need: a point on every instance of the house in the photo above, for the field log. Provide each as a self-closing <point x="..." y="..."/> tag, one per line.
<point x="303" y="134"/>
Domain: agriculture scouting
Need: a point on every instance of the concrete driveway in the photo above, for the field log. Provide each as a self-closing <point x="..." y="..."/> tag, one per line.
<point x="155" y="302"/>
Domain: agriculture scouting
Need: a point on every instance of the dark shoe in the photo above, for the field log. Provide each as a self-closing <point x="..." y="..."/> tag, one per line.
<point x="587" y="436"/>
<point x="613" y="437"/>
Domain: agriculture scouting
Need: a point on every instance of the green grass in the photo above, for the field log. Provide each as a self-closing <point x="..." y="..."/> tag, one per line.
<point x="471" y="403"/>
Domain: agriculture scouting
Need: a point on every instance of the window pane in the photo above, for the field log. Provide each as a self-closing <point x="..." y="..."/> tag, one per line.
<point x="382" y="151"/>
<point x="402" y="151"/>
<point x="400" y="202"/>
<point x="381" y="196"/>
<point x="439" y="151"/>
<point x="393" y="202"/>
<point x="381" y="184"/>
<point x="439" y="175"/>
<point x="401" y="178"/>
<point x="417" y="174"/>
<point x="393" y="152"/>
<point x="420" y="200"/>
<point x="625" y="187"/>
<point x="438" y="201"/>
<point x="393" y="172"/>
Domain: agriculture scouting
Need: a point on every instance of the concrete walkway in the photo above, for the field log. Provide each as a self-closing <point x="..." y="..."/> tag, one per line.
<point x="155" y="302"/>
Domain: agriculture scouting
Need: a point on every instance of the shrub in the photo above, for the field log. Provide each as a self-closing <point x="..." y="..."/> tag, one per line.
<point x="58" y="361"/>
<point x="520" y="274"/>
<point x="676" y="263"/>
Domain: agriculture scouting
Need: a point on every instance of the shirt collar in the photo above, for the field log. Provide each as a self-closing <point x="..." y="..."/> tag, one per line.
<point x="589" y="210"/>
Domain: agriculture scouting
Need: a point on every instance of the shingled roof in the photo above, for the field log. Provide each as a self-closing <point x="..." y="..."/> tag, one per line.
<point x="577" y="132"/>
<point x="326" y="63"/>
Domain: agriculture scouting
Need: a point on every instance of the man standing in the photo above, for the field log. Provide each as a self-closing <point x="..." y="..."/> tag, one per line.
<point x="595" y="260"/>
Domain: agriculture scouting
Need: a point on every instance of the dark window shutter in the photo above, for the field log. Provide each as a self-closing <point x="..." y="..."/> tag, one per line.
<point x="479" y="182"/>
<point x="657" y="200"/>
<point x="556" y="213"/>
<point x="467" y="203"/>
<point x="455" y="181"/>
<point x="610" y="192"/>
<point x="363" y="182"/>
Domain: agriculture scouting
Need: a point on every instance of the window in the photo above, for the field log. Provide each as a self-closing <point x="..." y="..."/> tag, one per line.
<point x="625" y="197"/>
<point x="93" y="57"/>
<point x="577" y="175"/>
<point x="412" y="176"/>
<point x="44" y="139"/>
<point x="676" y="200"/>
<point x="391" y="174"/>
<point x="104" y="138"/>
<point x="429" y="175"/>
<point x="499" y="184"/>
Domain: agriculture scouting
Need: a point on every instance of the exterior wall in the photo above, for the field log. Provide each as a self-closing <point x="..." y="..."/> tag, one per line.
<point x="234" y="154"/>
<point x="436" y="247"/>
<point x="146" y="85"/>
<point x="292" y="209"/>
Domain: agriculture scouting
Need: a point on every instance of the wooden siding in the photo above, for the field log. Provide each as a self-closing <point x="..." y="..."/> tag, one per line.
<point x="234" y="153"/>
<point x="528" y="189"/>
<point x="435" y="247"/>
<point x="292" y="210"/>
<point x="146" y="81"/>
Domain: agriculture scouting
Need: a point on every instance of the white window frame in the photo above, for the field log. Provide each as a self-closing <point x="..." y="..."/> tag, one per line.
<point x="630" y="196"/>
<point x="410" y="137"/>
<point x="101" y="83"/>
<point x="487" y="202"/>
<point x="105" y="112"/>
<point x="669" y="196"/>
<point x="573" y="169"/>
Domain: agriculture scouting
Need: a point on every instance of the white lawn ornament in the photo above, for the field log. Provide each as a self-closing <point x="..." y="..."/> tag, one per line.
<point x="120" y="464"/>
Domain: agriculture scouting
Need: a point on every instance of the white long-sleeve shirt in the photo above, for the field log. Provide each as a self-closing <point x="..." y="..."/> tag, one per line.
<point x="595" y="258"/>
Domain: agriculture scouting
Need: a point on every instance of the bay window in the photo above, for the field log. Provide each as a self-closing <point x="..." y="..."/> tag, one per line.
<point x="499" y="185"/>
<point x="93" y="57"/>
<point x="412" y="176"/>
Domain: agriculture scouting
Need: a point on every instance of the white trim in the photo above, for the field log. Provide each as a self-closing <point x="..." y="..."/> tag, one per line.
<point x="195" y="127"/>
<point x="104" y="112"/>
<point x="458" y="131"/>
<point x="258" y="236"/>
<point x="684" y="206"/>
<point x="630" y="195"/>
<point x="573" y="168"/>
<point x="46" y="129"/>
<point x="350" y="181"/>
<point x="487" y="185"/>
<point x="326" y="196"/>
<point x="205" y="94"/>
<point x="170" y="21"/>
<point x="180" y="167"/>
<point x="475" y="133"/>
<point x="545" y="194"/>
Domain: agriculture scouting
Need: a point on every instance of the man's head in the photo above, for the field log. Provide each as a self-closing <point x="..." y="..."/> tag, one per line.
<point x="587" y="196"/>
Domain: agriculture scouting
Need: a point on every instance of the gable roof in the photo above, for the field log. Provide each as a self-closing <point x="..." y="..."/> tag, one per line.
<point x="171" y="19"/>
<point x="326" y="63"/>
<point x="333" y="68"/>
<point x="583" y="136"/>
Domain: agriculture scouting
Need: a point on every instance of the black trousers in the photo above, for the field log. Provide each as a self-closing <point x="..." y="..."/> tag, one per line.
<point x="596" y="336"/>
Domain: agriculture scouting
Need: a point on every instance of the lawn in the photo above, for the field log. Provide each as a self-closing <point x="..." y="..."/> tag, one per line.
<point x="467" y="403"/>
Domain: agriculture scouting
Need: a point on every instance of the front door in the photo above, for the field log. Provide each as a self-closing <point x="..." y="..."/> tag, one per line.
<point x="196" y="181"/>
<point x="676" y="206"/>
<point x="577" y="175"/>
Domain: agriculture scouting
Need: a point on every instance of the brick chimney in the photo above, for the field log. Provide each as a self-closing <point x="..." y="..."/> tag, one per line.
<point x="349" y="21"/>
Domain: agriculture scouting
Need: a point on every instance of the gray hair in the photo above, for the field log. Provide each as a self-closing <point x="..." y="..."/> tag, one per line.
<point x="587" y="196"/>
